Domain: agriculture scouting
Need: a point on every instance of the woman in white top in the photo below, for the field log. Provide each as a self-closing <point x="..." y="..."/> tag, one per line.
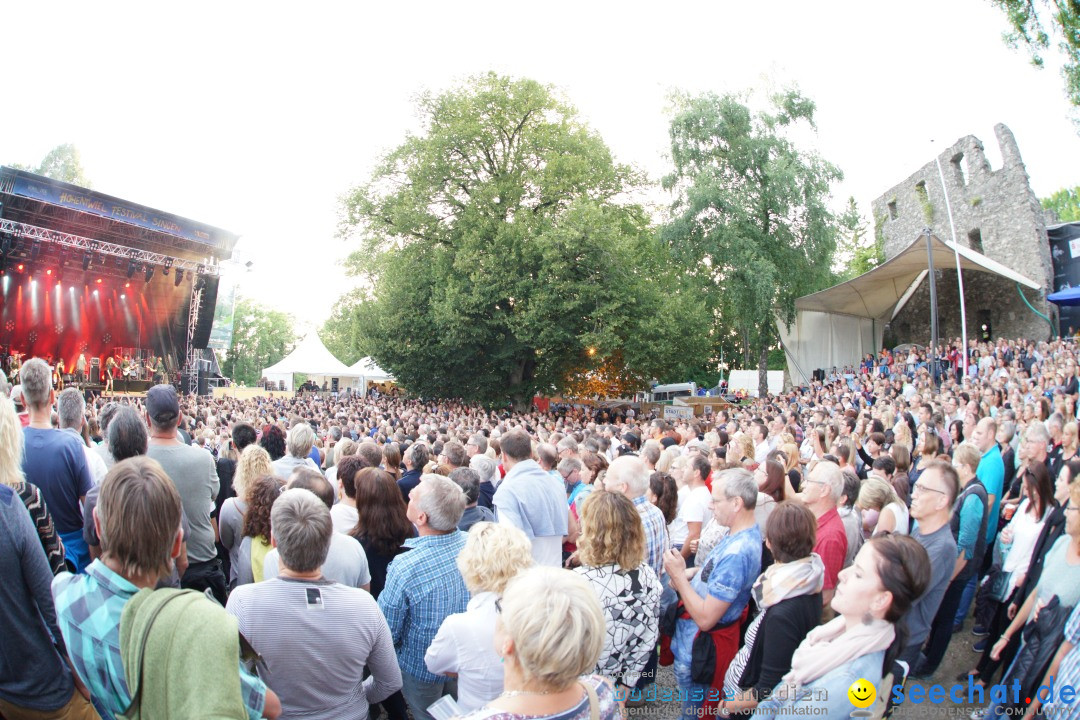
<point x="879" y="496"/>
<point x="1019" y="537"/>
<point x="465" y="644"/>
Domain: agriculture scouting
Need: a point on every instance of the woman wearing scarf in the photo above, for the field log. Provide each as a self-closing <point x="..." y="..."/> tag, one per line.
<point x="789" y="596"/>
<point x="888" y="575"/>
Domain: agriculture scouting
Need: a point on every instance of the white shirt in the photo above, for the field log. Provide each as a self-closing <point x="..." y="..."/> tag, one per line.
<point x="547" y="550"/>
<point x="345" y="517"/>
<point x="677" y="529"/>
<point x="761" y="451"/>
<point x="346" y="562"/>
<point x="465" y="644"/>
<point x="696" y="507"/>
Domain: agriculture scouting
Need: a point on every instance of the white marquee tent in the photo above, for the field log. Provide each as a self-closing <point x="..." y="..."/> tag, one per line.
<point x="369" y="371"/>
<point x="310" y="358"/>
<point x="840" y="325"/>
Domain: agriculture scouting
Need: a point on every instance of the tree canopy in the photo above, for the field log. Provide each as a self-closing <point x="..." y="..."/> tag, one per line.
<point x="503" y="257"/>
<point x="1065" y="202"/>
<point x="1036" y="24"/>
<point x="750" y="217"/>
<point x="61" y="163"/>
<point x="261" y="337"/>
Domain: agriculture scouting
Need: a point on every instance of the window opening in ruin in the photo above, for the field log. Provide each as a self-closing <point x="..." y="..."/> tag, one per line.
<point x="892" y="209"/>
<point x="975" y="240"/>
<point x="960" y="168"/>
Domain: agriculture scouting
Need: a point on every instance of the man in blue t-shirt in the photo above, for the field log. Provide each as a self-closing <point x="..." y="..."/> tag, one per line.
<point x="55" y="461"/>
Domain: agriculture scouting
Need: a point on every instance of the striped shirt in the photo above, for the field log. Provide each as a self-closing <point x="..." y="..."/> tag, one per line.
<point x="89" y="608"/>
<point x="423" y="587"/>
<point x="1068" y="673"/>
<point x="314" y="637"/>
<point x="656" y="534"/>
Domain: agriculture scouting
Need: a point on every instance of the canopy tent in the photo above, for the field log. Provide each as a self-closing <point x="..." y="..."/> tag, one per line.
<point x="1067" y="297"/>
<point x="840" y="325"/>
<point x="310" y="358"/>
<point x="369" y="372"/>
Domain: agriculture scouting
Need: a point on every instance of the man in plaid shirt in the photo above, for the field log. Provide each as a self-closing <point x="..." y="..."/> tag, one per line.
<point x="424" y="586"/>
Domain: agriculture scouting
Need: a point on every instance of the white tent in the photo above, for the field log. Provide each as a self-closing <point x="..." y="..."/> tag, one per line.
<point x="310" y="358"/>
<point x="840" y="325"/>
<point x="369" y="371"/>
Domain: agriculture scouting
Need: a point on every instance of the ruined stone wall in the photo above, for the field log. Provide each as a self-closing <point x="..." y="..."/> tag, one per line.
<point x="997" y="214"/>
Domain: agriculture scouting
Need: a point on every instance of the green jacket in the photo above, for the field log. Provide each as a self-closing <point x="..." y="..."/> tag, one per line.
<point x="181" y="656"/>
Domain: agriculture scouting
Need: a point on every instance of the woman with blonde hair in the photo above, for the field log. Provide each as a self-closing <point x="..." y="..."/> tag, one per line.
<point x="254" y="463"/>
<point x="612" y="554"/>
<point x="877" y="498"/>
<point x="549" y="634"/>
<point x="11" y="474"/>
<point x="1069" y="442"/>
<point x="465" y="644"/>
<point x="902" y="435"/>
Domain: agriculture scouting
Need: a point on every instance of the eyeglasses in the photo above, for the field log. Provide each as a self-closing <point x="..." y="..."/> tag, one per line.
<point x="920" y="488"/>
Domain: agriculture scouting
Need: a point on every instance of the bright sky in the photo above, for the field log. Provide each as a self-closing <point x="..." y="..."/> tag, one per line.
<point x="256" y="117"/>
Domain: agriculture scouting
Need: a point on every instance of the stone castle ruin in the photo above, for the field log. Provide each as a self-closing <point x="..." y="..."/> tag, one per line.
<point x="996" y="214"/>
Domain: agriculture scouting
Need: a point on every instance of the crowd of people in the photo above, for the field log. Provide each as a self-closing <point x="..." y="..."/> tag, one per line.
<point x="352" y="557"/>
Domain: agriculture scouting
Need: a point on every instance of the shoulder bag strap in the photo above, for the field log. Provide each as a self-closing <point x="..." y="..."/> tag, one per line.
<point x="137" y="698"/>
<point x="594" y="704"/>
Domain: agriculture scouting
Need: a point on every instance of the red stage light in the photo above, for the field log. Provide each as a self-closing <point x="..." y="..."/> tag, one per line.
<point x="127" y="284"/>
<point x="19" y="267"/>
<point x="48" y="272"/>
<point x="98" y="281"/>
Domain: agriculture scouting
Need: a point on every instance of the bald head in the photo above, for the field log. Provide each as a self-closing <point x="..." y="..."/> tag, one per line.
<point x="986" y="434"/>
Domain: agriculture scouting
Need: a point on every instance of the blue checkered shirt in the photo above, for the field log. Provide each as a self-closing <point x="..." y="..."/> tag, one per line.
<point x="88" y="609"/>
<point x="656" y="534"/>
<point x="423" y="586"/>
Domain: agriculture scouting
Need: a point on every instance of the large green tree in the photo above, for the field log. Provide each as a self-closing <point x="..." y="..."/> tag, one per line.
<point x="261" y="337"/>
<point x="61" y="163"/>
<point x="1065" y="203"/>
<point x="856" y="251"/>
<point x="1038" y="24"/>
<point x="750" y="214"/>
<point x="504" y="259"/>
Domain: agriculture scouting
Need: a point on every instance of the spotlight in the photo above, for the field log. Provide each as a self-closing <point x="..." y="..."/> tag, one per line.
<point x="119" y="262"/>
<point x="19" y="267"/>
<point x="3" y="264"/>
<point x="35" y="250"/>
<point x="127" y="284"/>
<point x="149" y="272"/>
<point x="168" y="264"/>
<point x="87" y="258"/>
<point x="123" y="296"/>
<point x="95" y="292"/>
<point x="48" y="272"/>
<point x="179" y="277"/>
<point x="132" y="268"/>
<point x="98" y="281"/>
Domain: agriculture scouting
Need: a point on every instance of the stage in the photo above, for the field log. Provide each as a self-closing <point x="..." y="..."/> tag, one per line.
<point x="248" y="393"/>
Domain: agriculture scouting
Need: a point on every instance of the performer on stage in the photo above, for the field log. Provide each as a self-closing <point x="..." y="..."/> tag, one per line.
<point x="16" y="365"/>
<point x="59" y="375"/>
<point x="80" y="369"/>
<point x="159" y="371"/>
<point x="110" y="370"/>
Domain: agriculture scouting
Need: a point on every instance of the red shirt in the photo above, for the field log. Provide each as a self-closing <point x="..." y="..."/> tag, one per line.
<point x="831" y="545"/>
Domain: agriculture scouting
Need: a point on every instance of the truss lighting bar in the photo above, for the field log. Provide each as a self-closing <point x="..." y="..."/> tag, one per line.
<point x="35" y="233"/>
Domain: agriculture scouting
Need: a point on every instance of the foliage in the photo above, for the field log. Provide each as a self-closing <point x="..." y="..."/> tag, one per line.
<point x="1065" y="202"/>
<point x="856" y="252"/>
<point x="750" y="214"/>
<point x="1033" y="23"/>
<point x="499" y="248"/>
<point x="924" y="202"/>
<point x="261" y="338"/>
<point x="61" y="163"/>
<point x="341" y="331"/>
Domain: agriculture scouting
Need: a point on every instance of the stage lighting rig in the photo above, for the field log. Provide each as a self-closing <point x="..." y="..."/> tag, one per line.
<point x="35" y="250"/>
<point x="149" y="271"/>
<point x="133" y="267"/>
<point x="179" y="277"/>
<point x="87" y="258"/>
<point x="168" y="264"/>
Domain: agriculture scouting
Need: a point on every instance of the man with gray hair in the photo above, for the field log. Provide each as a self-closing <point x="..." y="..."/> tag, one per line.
<point x="297" y="622"/>
<point x="71" y="409"/>
<point x="821" y="493"/>
<point x="469" y="481"/>
<point x="414" y="459"/>
<point x="488" y="472"/>
<point x="715" y="598"/>
<point x="629" y="476"/>
<point x="477" y="445"/>
<point x="424" y="586"/>
<point x="298" y="444"/>
<point x="55" y="461"/>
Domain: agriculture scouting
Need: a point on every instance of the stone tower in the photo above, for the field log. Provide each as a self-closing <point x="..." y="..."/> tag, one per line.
<point x="997" y="214"/>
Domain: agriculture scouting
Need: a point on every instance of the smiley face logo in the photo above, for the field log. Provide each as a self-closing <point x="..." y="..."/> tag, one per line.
<point x="862" y="693"/>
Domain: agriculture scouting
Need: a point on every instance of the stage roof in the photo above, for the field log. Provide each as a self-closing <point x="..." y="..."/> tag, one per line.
<point x="880" y="293"/>
<point x="43" y="202"/>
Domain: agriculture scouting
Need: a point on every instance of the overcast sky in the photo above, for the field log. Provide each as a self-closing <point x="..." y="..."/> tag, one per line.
<point x="256" y="117"/>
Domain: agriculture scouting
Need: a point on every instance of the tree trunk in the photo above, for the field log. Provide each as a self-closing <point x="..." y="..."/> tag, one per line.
<point x="763" y="368"/>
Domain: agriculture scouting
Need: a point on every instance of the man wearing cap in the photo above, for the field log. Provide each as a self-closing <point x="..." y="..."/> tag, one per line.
<point x="195" y="477"/>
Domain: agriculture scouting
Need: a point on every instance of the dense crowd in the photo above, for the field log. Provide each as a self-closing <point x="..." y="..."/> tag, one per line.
<point x="347" y="557"/>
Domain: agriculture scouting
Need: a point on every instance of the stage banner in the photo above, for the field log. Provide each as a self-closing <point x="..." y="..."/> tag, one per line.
<point x="1065" y="253"/>
<point x="222" y="331"/>
<point x="105" y="206"/>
